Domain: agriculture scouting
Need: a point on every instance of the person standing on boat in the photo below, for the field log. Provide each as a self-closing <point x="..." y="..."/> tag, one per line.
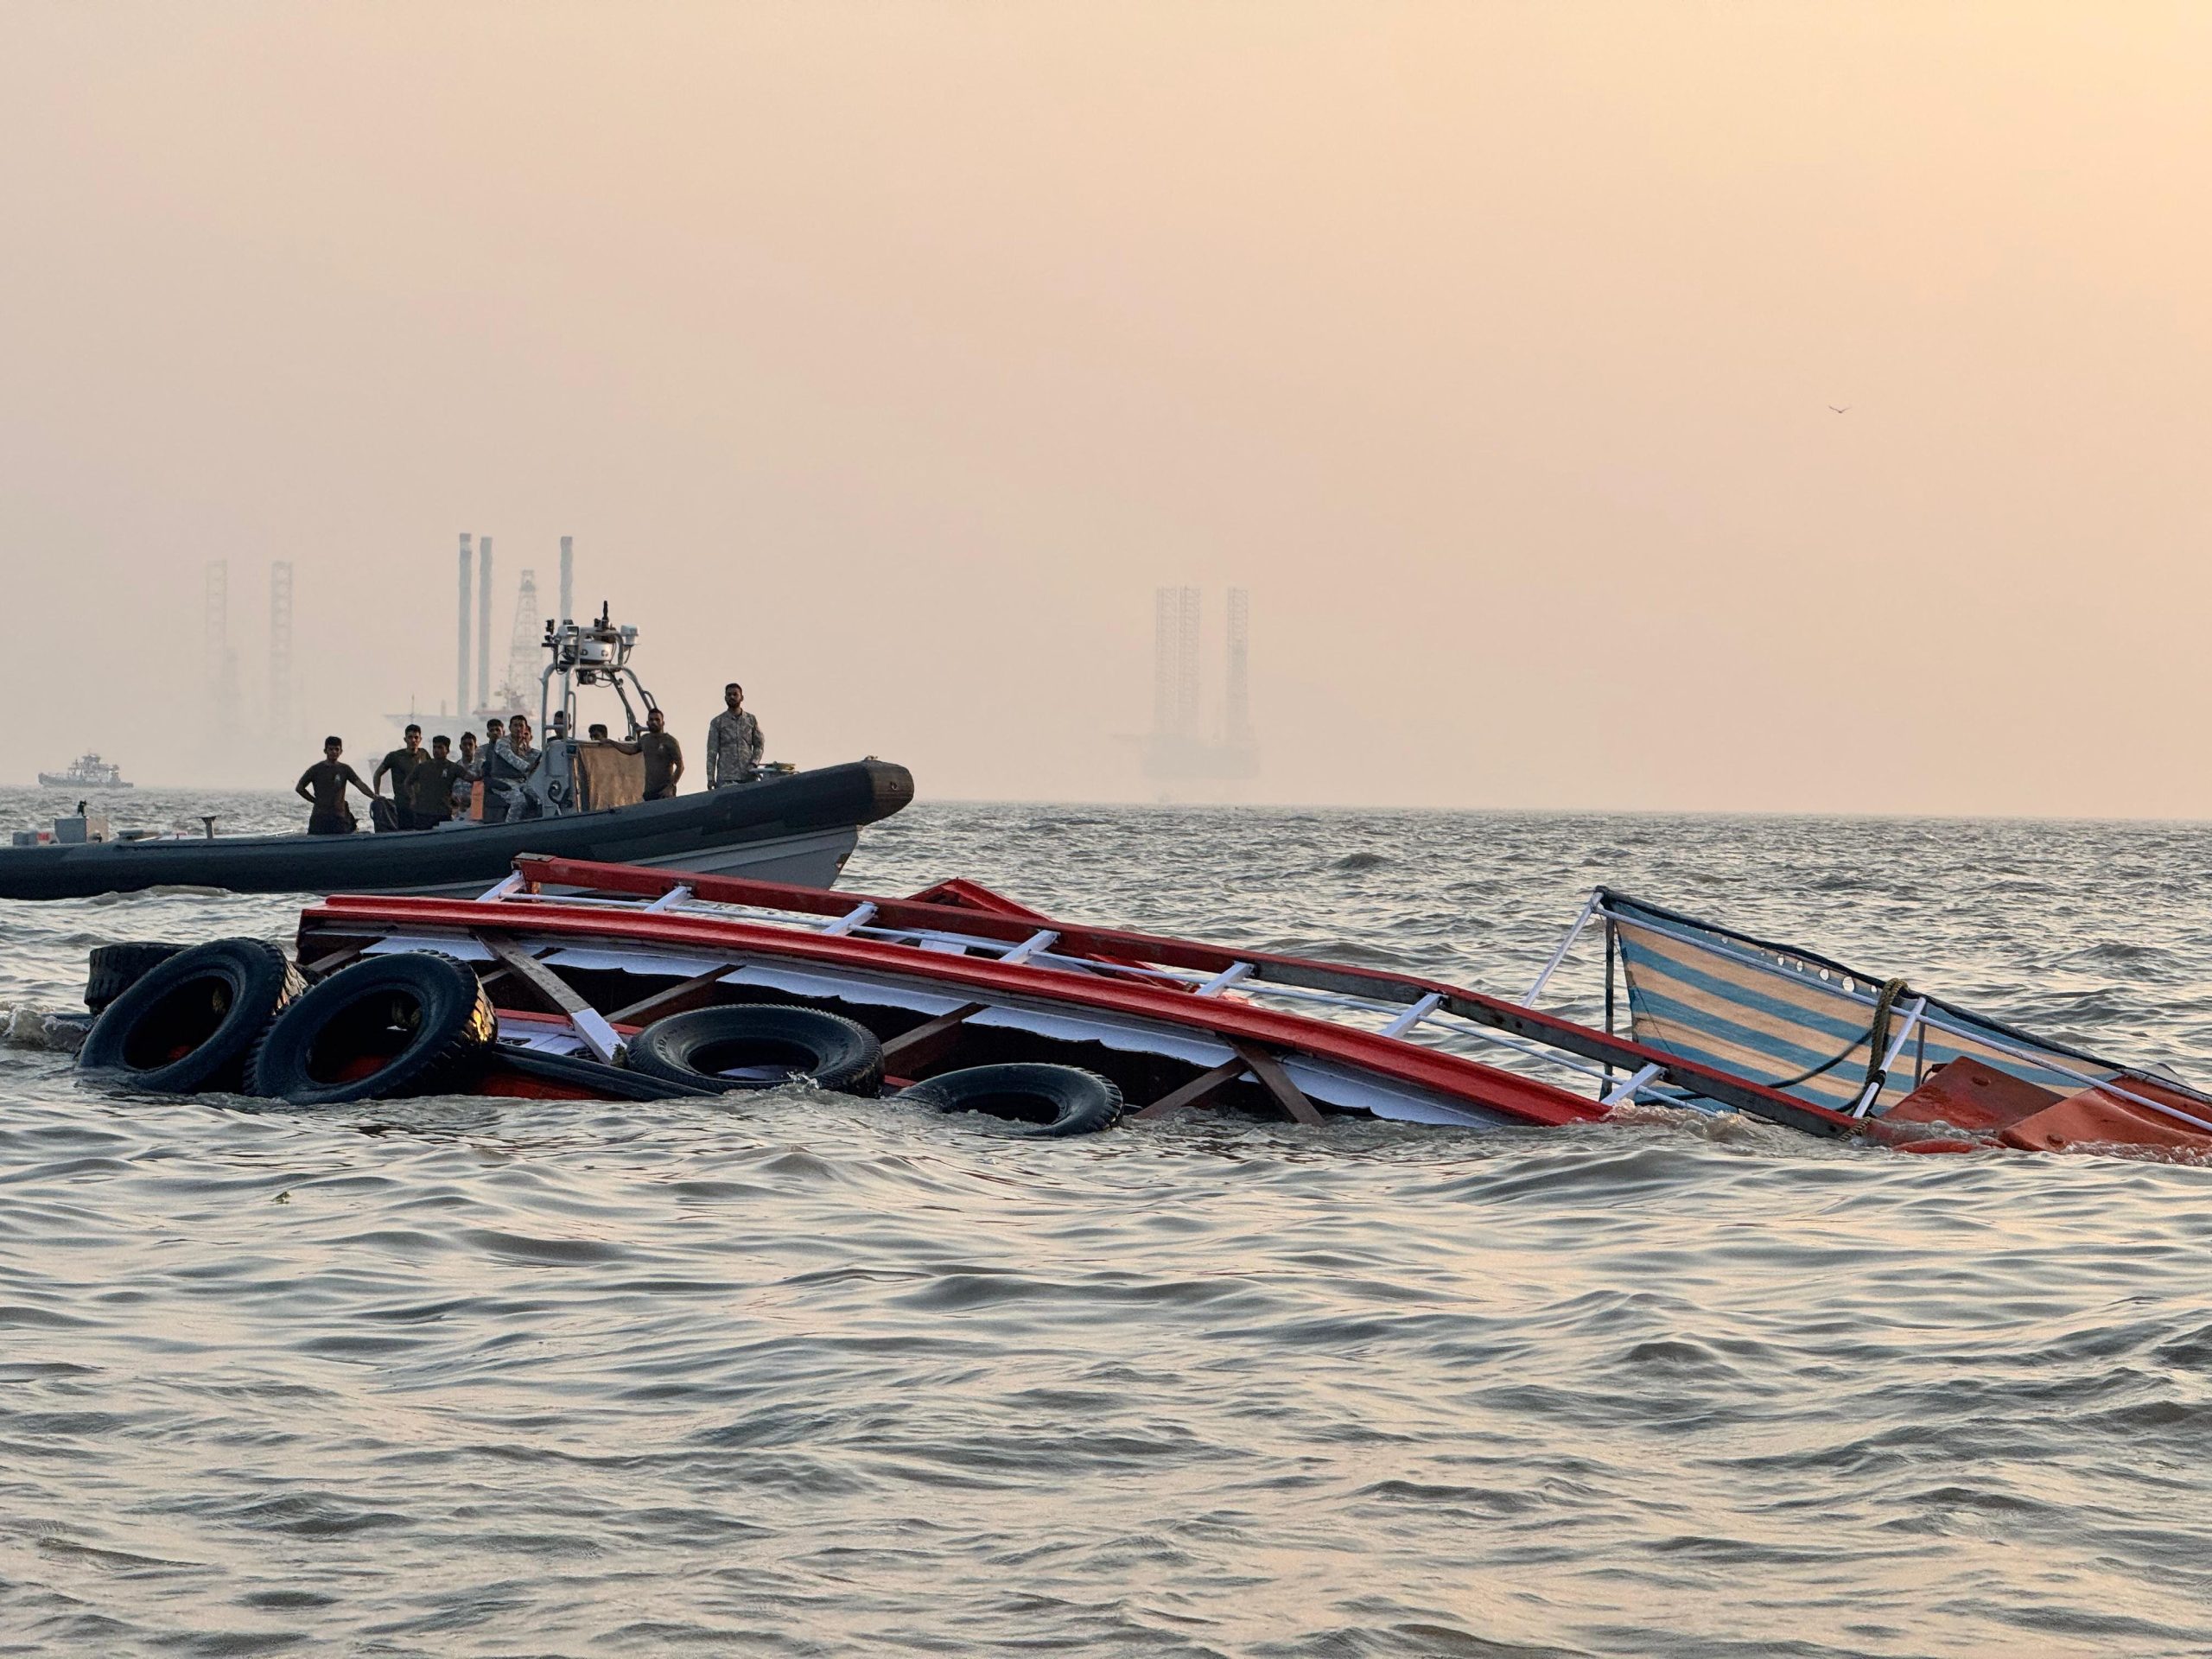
<point x="402" y="763"/>
<point x="466" y="773"/>
<point x="506" y="770"/>
<point x="733" y="741"/>
<point x="323" y="786"/>
<point x="429" y="792"/>
<point x="663" y="758"/>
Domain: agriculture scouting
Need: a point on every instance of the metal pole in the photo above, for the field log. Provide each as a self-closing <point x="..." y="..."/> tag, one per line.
<point x="1609" y="997"/>
<point x="568" y="578"/>
<point x="1564" y="946"/>
<point x="461" y="693"/>
<point x="1626" y="1092"/>
<point x="1874" y="1089"/>
<point x="483" y="621"/>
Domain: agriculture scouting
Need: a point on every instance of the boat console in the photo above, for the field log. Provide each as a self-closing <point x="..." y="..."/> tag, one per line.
<point x="574" y="774"/>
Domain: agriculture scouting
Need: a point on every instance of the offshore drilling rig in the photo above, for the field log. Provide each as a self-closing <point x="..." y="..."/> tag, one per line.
<point x="1184" y="746"/>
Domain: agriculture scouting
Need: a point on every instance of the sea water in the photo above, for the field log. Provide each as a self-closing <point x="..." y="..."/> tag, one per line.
<point x="799" y="1375"/>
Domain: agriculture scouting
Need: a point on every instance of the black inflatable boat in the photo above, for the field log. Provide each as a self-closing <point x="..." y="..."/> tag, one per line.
<point x="798" y="828"/>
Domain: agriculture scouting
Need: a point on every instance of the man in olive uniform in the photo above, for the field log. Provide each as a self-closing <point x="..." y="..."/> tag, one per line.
<point x="733" y="741"/>
<point x="323" y="786"/>
<point x="402" y="763"/>
<point x="663" y="757"/>
<point x="430" y="791"/>
<point x="506" y="770"/>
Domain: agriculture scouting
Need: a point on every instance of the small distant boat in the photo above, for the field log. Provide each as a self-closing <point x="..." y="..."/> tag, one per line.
<point x="87" y="771"/>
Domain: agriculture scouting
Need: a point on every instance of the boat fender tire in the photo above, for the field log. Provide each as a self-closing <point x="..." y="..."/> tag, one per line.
<point x="609" y="1082"/>
<point x="775" y="1043"/>
<point x="189" y="1022"/>
<point x="1036" y="1099"/>
<point x="115" y="968"/>
<point x="414" y="1022"/>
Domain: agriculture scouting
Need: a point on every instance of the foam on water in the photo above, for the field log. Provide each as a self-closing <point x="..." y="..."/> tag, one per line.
<point x="806" y="1376"/>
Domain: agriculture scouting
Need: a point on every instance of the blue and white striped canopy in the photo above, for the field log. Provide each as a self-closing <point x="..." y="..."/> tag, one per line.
<point x="1769" y="1013"/>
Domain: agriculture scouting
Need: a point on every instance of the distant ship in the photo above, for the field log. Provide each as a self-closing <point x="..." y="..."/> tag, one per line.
<point x="87" y="771"/>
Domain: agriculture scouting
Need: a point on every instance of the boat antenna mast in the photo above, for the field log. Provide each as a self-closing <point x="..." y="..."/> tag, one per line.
<point x="591" y="653"/>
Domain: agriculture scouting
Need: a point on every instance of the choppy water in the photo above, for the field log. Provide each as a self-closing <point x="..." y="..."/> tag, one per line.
<point x="810" y="1377"/>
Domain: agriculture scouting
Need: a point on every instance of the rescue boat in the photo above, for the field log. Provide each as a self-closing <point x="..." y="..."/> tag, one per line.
<point x="582" y="979"/>
<point x="581" y="798"/>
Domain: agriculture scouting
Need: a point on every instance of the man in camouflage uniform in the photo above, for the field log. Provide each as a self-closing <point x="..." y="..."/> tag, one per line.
<point x="733" y="741"/>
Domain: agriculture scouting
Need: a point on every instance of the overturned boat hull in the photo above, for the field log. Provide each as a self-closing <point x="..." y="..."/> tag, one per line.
<point x="582" y="957"/>
<point x="957" y="976"/>
<point x="615" y="980"/>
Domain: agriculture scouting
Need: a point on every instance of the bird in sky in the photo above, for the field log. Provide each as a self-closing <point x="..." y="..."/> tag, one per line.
<point x="1843" y="409"/>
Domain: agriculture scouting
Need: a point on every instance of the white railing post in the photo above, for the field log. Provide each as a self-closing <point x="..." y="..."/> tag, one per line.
<point x="1873" y="1091"/>
<point x="1564" y="946"/>
<point x="1627" y="1090"/>
<point x="1226" y="977"/>
<point x="1029" y="947"/>
<point x="1413" y="1015"/>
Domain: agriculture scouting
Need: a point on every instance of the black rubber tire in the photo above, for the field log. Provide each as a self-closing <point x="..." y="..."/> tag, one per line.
<point x="189" y="1023"/>
<point x="1035" y="1099"/>
<point x="115" y="968"/>
<point x="778" y="1044"/>
<point x="612" y="1082"/>
<point x="423" y="1013"/>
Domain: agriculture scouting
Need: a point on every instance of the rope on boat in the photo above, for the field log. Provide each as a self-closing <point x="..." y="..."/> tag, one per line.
<point x="1876" y="1037"/>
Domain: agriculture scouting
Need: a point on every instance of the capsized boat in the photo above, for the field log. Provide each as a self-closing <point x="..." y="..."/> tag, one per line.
<point x="583" y="961"/>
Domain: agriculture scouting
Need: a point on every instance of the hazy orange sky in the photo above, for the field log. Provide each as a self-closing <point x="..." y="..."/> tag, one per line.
<point x="887" y="356"/>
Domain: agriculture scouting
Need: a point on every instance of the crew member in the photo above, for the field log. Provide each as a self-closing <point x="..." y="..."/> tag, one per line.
<point x="323" y="786"/>
<point x="663" y="757"/>
<point x="402" y="763"/>
<point x="466" y="774"/>
<point x="733" y="741"/>
<point x="430" y="790"/>
<point x="505" y="770"/>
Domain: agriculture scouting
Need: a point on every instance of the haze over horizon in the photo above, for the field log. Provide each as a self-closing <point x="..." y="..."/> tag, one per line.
<point x="887" y="358"/>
